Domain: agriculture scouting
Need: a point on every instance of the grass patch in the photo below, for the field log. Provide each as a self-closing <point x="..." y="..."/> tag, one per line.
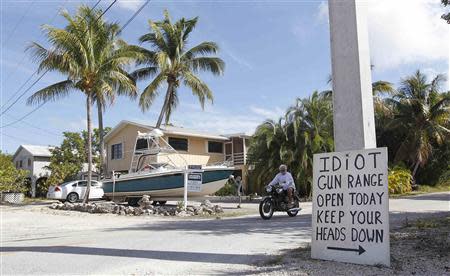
<point x="424" y="189"/>
<point x="276" y="260"/>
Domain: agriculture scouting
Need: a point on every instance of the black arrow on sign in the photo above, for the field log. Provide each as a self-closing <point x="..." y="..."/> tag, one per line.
<point x="360" y="250"/>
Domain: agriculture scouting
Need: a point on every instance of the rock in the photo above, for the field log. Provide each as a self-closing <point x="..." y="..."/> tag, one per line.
<point x="129" y="210"/>
<point x="104" y="207"/>
<point x="182" y="214"/>
<point x="138" y="211"/>
<point x="54" y="206"/>
<point x="145" y="203"/>
<point x="207" y="203"/>
<point x="217" y="209"/>
<point x="209" y="211"/>
<point x="122" y="213"/>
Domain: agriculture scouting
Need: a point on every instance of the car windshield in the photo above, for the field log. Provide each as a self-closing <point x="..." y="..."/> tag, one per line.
<point x="68" y="183"/>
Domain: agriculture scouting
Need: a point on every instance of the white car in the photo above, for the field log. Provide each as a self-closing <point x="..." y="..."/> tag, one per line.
<point x="74" y="191"/>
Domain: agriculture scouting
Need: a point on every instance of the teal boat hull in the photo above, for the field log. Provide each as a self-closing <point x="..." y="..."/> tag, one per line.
<point x="167" y="184"/>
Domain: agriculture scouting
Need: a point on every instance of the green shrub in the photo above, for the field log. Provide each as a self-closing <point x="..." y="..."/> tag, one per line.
<point x="227" y="190"/>
<point x="399" y="180"/>
<point x="11" y="179"/>
<point x="444" y="179"/>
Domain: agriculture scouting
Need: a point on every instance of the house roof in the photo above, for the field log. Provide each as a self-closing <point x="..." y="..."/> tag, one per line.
<point x="35" y="150"/>
<point x="167" y="130"/>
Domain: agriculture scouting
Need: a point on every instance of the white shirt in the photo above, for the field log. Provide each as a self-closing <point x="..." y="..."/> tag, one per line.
<point x="285" y="180"/>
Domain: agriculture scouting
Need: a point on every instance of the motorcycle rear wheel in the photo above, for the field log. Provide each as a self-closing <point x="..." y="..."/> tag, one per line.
<point x="266" y="208"/>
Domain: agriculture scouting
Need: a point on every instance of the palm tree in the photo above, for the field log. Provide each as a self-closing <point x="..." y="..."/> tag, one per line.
<point x="311" y="120"/>
<point x="307" y="128"/>
<point x="422" y="116"/>
<point x="88" y="52"/>
<point x="171" y="62"/>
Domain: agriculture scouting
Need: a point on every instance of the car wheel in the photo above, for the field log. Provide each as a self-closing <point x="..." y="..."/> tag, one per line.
<point x="72" y="197"/>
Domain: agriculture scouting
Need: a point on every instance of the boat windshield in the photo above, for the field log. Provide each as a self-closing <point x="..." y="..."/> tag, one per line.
<point x="157" y="166"/>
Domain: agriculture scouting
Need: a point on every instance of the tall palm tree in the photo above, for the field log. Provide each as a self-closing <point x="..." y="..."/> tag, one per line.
<point x="88" y="52"/>
<point x="422" y="115"/>
<point x="172" y="63"/>
<point x="311" y="120"/>
<point x="307" y="128"/>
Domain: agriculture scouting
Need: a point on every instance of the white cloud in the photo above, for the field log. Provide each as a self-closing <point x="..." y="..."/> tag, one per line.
<point x="223" y="121"/>
<point x="404" y="32"/>
<point x="130" y="4"/>
<point x="267" y="113"/>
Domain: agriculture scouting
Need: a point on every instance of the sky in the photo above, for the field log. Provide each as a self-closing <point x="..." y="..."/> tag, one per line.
<point x="275" y="51"/>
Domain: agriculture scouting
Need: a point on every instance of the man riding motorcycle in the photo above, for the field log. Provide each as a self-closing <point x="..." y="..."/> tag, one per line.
<point x="285" y="179"/>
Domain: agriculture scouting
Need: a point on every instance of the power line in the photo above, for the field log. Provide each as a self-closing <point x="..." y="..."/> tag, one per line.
<point x="24" y="116"/>
<point x="134" y="15"/>
<point x="36" y="81"/>
<point x="18" y="23"/>
<point x="125" y="25"/>
<point x="24" y="56"/>
<point x="47" y="131"/>
<point x="24" y="92"/>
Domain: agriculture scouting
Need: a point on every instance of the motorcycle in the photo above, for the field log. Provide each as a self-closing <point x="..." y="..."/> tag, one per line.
<point x="277" y="201"/>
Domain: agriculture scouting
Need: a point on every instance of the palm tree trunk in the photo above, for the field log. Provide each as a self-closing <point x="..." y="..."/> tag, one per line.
<point x="416" y="166"/>
<point x="165" y="105"/>
<point x="102" y="169"/>
<point x="89" y="142"/>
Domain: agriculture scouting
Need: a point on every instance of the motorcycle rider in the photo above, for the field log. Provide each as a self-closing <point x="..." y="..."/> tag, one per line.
<point x="285" y="179"/>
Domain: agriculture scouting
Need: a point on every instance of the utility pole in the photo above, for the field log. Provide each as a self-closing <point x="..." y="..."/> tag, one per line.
<point x="354" y="123"/>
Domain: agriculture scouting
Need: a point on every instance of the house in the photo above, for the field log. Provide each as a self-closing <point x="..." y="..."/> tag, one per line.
<point x="193" y="147"/>
<point x="33" y="158"/>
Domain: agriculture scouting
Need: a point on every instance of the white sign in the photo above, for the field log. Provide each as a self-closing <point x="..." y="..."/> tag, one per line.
<point x="194" y="182"/>
<point x="350" y="219"/>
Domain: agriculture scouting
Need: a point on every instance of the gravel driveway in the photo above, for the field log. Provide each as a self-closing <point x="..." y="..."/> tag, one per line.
<point x="37" y="240"/>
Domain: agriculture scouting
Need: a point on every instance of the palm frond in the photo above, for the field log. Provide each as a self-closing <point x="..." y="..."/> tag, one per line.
<point x="52" y="92"/>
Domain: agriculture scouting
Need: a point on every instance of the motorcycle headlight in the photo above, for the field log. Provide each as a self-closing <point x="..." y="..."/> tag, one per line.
<point x="279" y="190"/>
<point x="268" y="189"/>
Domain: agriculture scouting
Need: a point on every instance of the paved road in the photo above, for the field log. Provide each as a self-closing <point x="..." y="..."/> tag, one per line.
<point x="37" y="240"/>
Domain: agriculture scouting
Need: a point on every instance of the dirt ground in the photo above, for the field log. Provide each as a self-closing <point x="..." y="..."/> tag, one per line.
<point x="420" y="247"/>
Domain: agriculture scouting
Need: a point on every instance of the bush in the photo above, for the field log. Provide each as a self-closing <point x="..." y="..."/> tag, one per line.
<point x="227" y="190"/>
<point x="399" y="180"/>
<point x="444" y="179"/>
<point x="11" y="179"/>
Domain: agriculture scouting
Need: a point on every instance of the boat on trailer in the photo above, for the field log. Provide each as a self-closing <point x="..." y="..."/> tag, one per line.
<point x="161" y="180"/>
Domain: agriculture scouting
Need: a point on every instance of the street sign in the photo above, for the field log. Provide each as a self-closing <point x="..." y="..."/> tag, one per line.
<point x="350" y="219"/>
<point x="194" y="182"/>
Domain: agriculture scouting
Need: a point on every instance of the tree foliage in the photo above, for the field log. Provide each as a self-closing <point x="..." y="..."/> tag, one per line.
<point x="413" y="121"/>
<point x="11" y="179"/>
<point x="93" y="59"/>
<point x="307" y="128"/>
<point x="170" y="61"/>
<point x="446" y="16"/>
<point x="67" y="160"/>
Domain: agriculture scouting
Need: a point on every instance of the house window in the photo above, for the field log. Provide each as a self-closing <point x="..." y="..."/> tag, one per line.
<point x="20" y="164"/>
<point x="178" y="143"/>
<point x="116" y="151"/>
<point x="29" y="162"/>
<point x="215" y="147"/>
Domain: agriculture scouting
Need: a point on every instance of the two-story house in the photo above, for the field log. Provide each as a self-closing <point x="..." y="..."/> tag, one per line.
<point x="193" y="147"/>
<point x="33" y="158"/>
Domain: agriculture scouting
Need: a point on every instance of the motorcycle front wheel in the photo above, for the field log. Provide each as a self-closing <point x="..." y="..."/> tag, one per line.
<point x="266" y="208"/>
<point x="292" y="213"/>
